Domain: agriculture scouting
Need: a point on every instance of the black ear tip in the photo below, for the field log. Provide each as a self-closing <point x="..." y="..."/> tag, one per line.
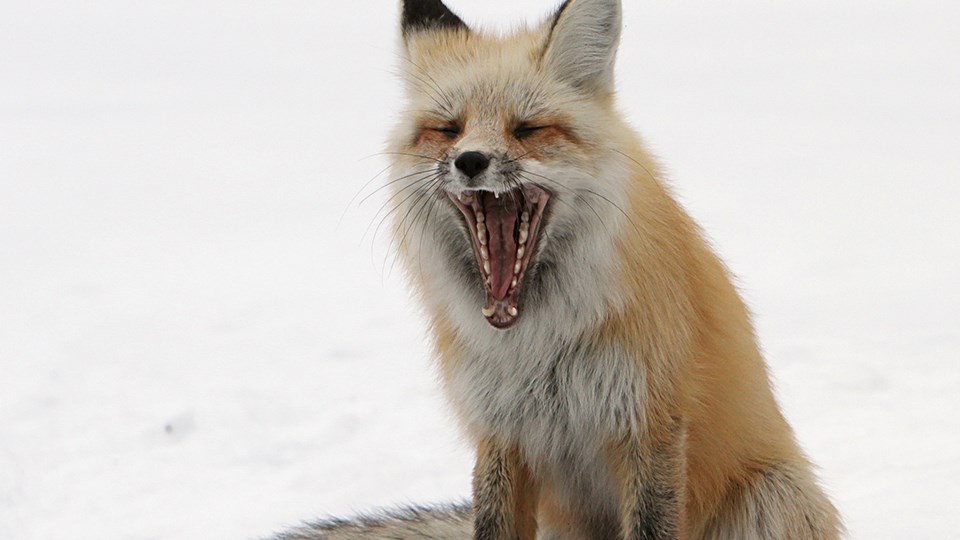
<point x="428" y="14"/>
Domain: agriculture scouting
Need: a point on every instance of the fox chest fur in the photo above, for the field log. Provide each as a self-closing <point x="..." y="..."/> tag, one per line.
<point x="559" y="401"/>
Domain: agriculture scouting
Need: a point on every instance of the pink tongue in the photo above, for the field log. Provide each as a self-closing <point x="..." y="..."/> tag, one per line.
<point x="501" y="216"/>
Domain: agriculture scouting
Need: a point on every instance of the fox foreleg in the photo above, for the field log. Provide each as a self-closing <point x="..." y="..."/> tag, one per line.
<point x="650" y="472"/>
<point x="504" y="495"/>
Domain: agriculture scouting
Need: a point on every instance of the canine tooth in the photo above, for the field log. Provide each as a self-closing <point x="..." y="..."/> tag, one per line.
<point x="486" y="266"/>
<point x="512" y="311"/>
<point x="496" y="194"/>
<point x="520" y="252"/>
<point x="484" y="254"/>
<point x="513" y="284"/>
<point x="523" y="236"/>
<point x="488" y="311"/>
<point x="525" y="217"/>
<point x="516" y="267"/>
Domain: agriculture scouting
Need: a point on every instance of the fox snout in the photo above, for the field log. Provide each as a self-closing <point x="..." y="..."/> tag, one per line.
<point x="476" y="170"/>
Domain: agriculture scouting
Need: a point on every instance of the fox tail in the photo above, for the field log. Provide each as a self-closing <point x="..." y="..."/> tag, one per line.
<point x="448" y="522"/>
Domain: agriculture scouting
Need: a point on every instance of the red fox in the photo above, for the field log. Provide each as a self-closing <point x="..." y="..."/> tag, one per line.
<point x="591" y="344"/>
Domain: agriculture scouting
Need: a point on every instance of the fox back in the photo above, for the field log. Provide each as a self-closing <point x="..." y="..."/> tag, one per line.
<point x="590" y="342"/>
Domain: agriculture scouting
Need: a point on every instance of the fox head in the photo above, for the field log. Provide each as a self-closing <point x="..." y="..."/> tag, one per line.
<point x="509" y="166"/>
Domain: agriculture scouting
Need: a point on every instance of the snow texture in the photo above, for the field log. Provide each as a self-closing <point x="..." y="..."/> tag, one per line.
<point x="199" y="341"/>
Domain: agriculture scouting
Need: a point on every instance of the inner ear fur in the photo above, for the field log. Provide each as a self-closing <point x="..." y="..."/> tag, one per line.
<point x="582" y="42"/>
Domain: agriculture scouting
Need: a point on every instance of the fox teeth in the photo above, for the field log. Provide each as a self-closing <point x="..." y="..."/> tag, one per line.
<point x="524" y="234"/>
<point x="482" y="233"/>
<point x="516" y="267"/>
<point x="486" y="266"/>
<point x="480" y="217"/>
<point x="484" y="254"/>
<point x="525" y="217"/>
<point x="488" y="311"/>
<point x="513" y="284"/>
<point x="521" y="251"/>
<point x="512" y="311"/>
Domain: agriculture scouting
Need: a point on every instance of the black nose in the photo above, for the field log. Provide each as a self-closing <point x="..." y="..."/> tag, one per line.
<point x="472" y="163"/>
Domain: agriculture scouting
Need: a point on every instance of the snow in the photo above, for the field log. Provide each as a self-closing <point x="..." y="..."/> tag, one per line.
<point x="197" y="340"/>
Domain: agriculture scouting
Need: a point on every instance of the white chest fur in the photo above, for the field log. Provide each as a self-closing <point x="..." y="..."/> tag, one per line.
<point x="558" y="401"/>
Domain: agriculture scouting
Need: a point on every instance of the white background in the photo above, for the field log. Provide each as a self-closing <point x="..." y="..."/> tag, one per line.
<point x="194" y="346"/>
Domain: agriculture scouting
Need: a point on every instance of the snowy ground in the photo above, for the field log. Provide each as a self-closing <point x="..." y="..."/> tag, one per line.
<point x="192" y="346"/>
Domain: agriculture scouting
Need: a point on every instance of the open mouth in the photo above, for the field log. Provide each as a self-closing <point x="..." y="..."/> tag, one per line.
<point x="503" y="231"/>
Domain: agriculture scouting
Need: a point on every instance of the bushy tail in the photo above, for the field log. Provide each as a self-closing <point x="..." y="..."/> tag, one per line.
<point x="452" y="522"/>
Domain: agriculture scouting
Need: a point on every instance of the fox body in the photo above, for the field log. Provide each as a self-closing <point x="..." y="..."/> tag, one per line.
<point x="590" y="342"/>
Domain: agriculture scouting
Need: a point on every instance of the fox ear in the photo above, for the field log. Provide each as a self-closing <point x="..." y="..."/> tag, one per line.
<point x="419" y="15"/>
<point x="582" y="43"/>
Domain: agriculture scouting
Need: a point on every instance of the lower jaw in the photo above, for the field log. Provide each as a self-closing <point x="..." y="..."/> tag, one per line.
<point x="501" y="314"/>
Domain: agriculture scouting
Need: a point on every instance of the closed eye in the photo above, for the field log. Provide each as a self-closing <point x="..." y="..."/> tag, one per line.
<point x="523" y="131"/>
<point x="450" y="131"/>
